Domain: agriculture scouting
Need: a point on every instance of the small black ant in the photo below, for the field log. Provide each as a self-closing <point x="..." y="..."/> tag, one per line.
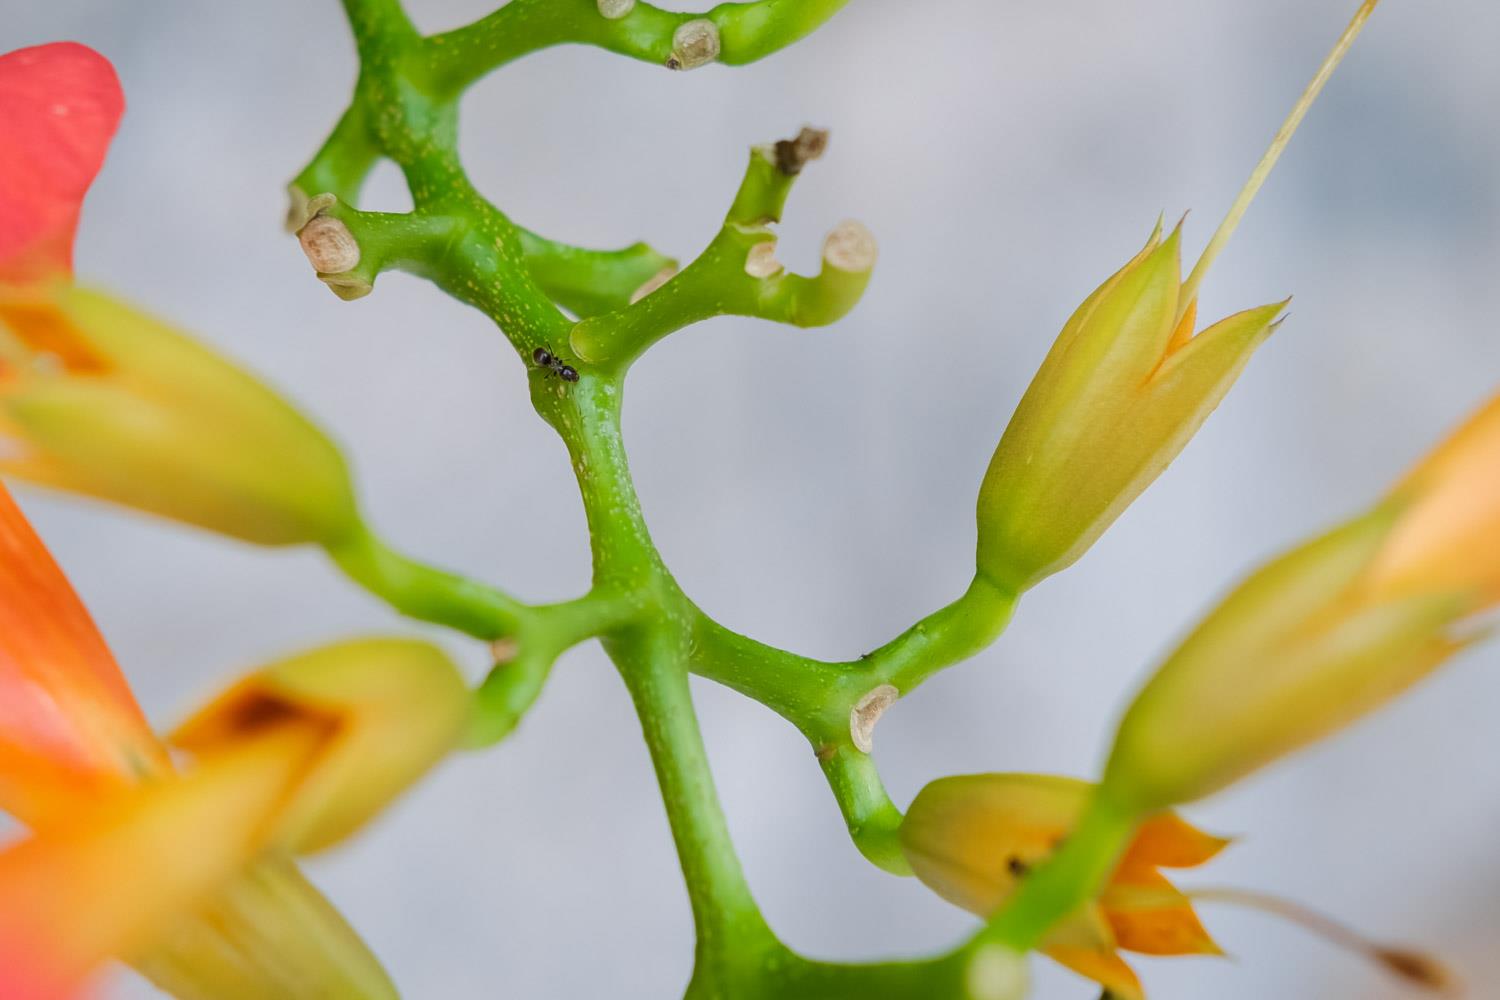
<point x="546" y="359"/>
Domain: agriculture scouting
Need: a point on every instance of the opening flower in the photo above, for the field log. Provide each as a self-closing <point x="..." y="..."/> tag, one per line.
<point x="973" y="838"/>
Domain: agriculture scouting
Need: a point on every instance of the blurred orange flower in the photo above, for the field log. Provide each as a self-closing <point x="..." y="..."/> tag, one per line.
<point x="973" y="838"/>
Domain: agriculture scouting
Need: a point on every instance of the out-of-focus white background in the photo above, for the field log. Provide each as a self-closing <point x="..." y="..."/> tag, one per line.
<point x="816" y="488"/>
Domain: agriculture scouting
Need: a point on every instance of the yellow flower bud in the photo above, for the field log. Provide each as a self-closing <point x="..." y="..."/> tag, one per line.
<point x="379" y="713"/>
<point x="1325" y="634"/>
<point x="1124" y="388"/>
<point x="1449" y="537"/>
<point x="1303" y="647"/>
<point x="100" y="399"/>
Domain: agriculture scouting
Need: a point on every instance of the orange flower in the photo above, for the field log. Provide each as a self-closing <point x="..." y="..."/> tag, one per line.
<point x="971" y="839"/>
<point x="128" y="858"/>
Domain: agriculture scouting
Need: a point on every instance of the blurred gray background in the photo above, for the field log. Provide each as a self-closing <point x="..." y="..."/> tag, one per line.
<point x="815" y="488"/>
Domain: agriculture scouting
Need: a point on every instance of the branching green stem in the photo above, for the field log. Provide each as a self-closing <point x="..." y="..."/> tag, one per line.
<point x="405" y="108"/>
<point x="747" y="32"/>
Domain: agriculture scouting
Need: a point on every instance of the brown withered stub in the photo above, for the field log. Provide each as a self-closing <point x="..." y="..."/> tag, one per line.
<point x="794" y="154"/>
<point x="1419" y="969"/>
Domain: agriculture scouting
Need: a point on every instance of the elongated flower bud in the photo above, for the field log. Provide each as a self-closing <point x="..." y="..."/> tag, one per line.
<point x="100" y="399"/>
<point x="1124" y="388"/>
<point x="381" y="712"/>
<point x="1324" y="634"/>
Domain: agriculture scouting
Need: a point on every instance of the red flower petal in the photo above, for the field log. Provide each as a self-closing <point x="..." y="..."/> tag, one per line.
<point x="59" y="107"/>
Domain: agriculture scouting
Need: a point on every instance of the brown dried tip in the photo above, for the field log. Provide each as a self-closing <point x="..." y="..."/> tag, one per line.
<point x="794" y="154"/>
<point x="1419" y="969"/>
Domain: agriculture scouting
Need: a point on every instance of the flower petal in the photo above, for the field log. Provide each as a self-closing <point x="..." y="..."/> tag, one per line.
<point x="59" y="107"/>
<point x="71" y="899"/>
<point x="267" y="933"/>
<point x="1169" y="841"/>
<point x="1106" y="968"/>
<point x="69" y="728"/>
<point x="1148" y="915"/>
<point x="384" y="712"/>
<point x="1449" y="536"/>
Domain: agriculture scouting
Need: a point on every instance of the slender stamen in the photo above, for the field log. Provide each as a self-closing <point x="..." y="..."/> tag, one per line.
<point x="1416" y="967"/>
<point x="1267" y="162"/>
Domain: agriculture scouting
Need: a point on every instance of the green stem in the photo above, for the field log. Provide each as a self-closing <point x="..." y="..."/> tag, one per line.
<point x="546" y="632"/>
<point x="1076" y="874"/>
<point x="730" y="927"/>
<point x="873" y="820"/>
<point x="747" y="32"/>
<point x="817" y="695"/>
<point x="427" y="594"/>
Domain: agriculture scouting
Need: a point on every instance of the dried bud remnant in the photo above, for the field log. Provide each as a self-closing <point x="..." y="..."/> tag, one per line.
<point x="654" y="282"/>
<point x="794" y="154"/>
<point x="761" y="260"/>
<point x="850" y="247"/>
<point x="867" y="712"/>
<point x="694" y="44"/>
<point x="330" y="247"/>
<point x="616" y="9"/>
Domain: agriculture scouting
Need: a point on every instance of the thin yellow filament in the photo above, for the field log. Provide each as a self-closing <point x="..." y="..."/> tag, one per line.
<point x="1268" y="162"/>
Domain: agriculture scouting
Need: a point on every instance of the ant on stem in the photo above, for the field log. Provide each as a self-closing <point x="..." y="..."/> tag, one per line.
<point x="546" y="359"/>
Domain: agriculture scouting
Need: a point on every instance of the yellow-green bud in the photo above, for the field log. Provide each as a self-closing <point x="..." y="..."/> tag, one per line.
<point x="100" y="399"/>
<point x="1303" y="647"/>
<point x="1124" y="388"/>
<point x="376" y="713"/>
